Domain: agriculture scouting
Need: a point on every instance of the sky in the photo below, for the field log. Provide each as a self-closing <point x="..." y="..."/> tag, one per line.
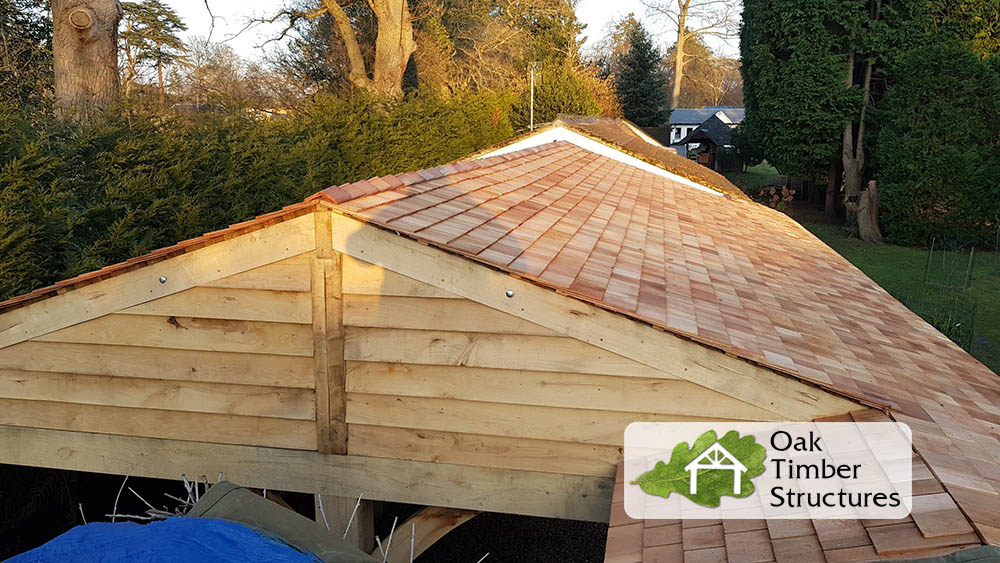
<point x="234" y="15"/>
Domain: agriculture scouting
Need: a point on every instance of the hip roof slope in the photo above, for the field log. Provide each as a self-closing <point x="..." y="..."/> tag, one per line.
<point x="725" y="272"/>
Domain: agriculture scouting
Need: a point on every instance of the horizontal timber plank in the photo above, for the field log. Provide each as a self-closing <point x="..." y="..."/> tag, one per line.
<point x="233" y="304"/>
<point x="161" y="363"/>
<point x="568" y="458"/>
<point x="554" y="389"/>
<point x="610" y="331"/>
<point x="216" y="335"/>
<point x="500" y="419"/>
<point x="363" y="278"/>
<point x="381" y="311"/>
<point x="542" y="353"/>
<point x="196" y="267"/>
<point x="153" y="423"/>
<point x="219" y="398"/>
<point x="437" y="484"/>
<point x="274" y="277"/>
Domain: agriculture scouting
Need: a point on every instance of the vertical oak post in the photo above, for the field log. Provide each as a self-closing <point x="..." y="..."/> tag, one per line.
<point x="328" y="340"/>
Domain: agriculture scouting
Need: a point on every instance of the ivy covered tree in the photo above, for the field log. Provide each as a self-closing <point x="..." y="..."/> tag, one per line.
<point x="641" y="82"/>
<point x="793" y="64"/>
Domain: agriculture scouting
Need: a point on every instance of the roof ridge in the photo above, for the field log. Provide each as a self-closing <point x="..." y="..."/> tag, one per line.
<point x="348" y="191"/>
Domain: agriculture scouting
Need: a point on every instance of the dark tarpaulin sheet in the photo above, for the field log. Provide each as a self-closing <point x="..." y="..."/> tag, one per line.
<point x="175" y="539"/>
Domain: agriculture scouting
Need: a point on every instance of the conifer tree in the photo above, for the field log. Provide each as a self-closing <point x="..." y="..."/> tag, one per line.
<point x="641" y="82"/>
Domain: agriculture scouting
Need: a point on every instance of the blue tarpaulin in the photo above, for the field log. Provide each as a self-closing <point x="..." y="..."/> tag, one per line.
<point x="174" y="539"/>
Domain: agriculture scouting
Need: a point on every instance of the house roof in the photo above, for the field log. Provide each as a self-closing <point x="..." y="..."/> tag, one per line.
<point x="713" y="129"/>
<point x="694" y="116"/>
<point x="625" y="136"/>
<point x="725" y="272"/>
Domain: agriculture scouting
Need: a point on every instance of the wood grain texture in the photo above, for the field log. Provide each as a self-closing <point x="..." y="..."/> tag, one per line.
<point x="192" y="396"/>
<point x="274" y="277"/>
<point x="363" y="278"/>
<point x="614" y="333"/>
<point x="550" y="456"/>
<point x="229" y="303"/>
<point x="474" y="488"/>
<point x="160" y="363"/>
<point x="500" y="419"/>
<point x="328" y="341"/>
<point x="542" y="353"/>
<point x="215" y="335"/>
<point x="152" y="423"/>
<point x="197" y="267"/>
<point x="421" y="313"/>
<point x="553" y="389"/>
<point x="426" y="527"/>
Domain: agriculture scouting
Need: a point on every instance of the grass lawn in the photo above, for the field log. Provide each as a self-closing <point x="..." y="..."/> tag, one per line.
<point x="754" y="177"/>
<point x="901" y="271"/>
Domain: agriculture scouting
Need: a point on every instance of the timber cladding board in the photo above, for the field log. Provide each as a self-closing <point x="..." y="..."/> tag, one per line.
<point x="197" y="267"/>
<point x="486" y="350"/>
<point x="188" y="333"/>
<point x="154" y="423"/>
<point x="384" y="311"/>
<point x="570" y="458"/>
<point x="553" y="389"/>
<point x="654" y="349"/>
<point x="435" y="484"/>
<point x="160" y="363"/>
<point x="363" y="278"/>
<point x="192" y="396"/>
<point x="500" y="419"/>
<point x="232" y="304"/>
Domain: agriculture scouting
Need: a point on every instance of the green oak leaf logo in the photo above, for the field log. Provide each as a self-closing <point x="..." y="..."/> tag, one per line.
<point x="713" y="463"/>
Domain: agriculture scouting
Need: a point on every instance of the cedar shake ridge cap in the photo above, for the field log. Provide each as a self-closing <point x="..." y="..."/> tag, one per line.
<point x="623" y="135"/>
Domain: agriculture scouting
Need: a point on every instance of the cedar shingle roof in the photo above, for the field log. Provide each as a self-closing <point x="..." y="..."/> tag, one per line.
<point x="725" y="272"/>
<point x="628" y="138"/>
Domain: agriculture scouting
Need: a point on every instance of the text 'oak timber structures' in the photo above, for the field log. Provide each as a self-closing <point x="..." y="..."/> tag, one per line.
<point x="478" y="335"/>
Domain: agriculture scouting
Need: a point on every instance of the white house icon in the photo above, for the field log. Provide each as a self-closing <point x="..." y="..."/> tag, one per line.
<point x="716" y="457"/>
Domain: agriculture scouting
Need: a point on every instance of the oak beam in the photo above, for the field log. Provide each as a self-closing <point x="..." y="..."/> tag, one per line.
<point x="530" y="493"/>
<point x="328" y="340"/>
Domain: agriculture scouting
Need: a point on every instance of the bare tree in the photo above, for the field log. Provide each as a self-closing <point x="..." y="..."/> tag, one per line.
<point x="694" y="19"/>
<point x="85" y="55"/>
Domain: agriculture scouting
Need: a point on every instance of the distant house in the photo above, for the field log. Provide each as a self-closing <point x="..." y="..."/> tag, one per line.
<point x="713" y="141"/>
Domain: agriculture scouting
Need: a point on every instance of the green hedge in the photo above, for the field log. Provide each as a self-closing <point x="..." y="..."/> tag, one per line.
<point x="938" y="148"/>
<point x="74" y="198"/>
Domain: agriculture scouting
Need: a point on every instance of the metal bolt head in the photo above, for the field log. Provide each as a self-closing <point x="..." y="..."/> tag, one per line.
<point x="163" y="279"/>
<point x="509" y="293"/>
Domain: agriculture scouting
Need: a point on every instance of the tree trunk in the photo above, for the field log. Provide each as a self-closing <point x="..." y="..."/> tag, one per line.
<point x="682" y="10"/>
<point x="832" y="187"/>
<point x="159" y="78"/>
<point x="675" y="94"/>
<point x="85" y="55"/>
<point x="853" y="156"/>
<point x="393" y="46"/>
<point x="868" y="215"/>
